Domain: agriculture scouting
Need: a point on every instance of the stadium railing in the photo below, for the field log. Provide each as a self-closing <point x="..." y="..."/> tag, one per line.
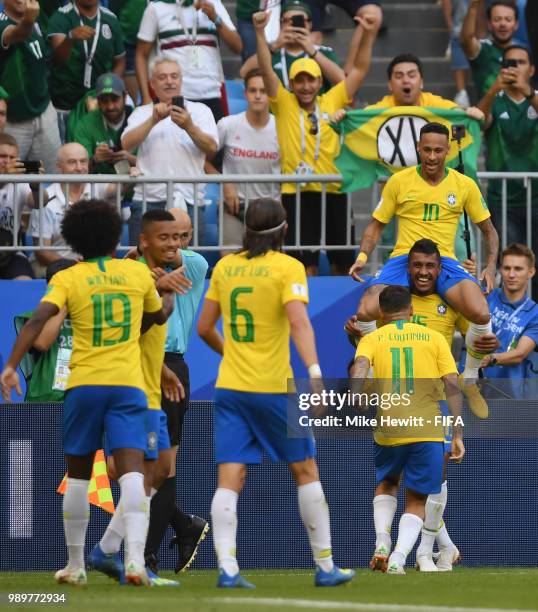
<point x="217" y="196"/>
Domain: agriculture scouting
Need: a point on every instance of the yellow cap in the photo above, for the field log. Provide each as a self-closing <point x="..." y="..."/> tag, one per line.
<point x="305" y="64"/>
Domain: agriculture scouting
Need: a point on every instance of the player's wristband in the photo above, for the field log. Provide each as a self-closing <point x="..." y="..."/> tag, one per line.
<point x="362" y="257"/>
<point x="314" y="371"/>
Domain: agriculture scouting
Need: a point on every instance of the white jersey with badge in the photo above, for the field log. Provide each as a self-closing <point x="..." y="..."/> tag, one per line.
<point x="191" y="37"/>
<point x="249" y="150"/>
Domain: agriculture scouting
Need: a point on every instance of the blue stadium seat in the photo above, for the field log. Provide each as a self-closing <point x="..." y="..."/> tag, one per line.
<point x="234" y="90"/>
<point x="237" y="105"/>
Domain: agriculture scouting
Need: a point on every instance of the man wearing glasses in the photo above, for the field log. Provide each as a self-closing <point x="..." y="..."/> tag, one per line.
<point x="295" y="42"/>
<point x="308" y="145"/>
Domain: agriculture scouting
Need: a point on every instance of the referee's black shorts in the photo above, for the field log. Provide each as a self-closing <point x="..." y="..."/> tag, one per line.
<point x="175" y="411"/>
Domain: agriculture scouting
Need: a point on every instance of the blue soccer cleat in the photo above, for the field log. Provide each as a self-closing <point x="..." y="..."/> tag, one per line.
<point x="333" y="578"/>
<point x="157" y="581"/>
<point x="233" y="582"/>
<point x="110" y="564"/>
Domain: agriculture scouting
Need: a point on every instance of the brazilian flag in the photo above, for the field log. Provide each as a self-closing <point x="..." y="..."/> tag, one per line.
<point x="379" y="142"/>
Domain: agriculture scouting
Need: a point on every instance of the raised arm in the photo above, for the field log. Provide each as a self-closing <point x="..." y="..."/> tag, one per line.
<point x="361" y="64"/>
<point x="135" y="137"/>
<point x="469" y="40"/>
<point x="486" y="103"/>
<point x="14" y="34"/>
<point x="229" y="36"/>
<point x="270" y="79"/>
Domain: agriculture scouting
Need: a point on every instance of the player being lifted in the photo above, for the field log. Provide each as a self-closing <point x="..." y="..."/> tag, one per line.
<point x="414" y="359"/>
<point x="106" y="299"/>
<point x="424" y="267"/>
<point x="428" y="200"/>
<point x="261" y="295"/>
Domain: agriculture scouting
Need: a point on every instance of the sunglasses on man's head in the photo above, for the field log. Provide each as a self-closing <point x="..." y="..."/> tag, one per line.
<point x="313" y="118"/>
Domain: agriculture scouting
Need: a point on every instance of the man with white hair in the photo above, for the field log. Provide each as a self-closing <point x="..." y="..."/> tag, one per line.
<point x="173" y="137"/>
<point x="72" y="159"/>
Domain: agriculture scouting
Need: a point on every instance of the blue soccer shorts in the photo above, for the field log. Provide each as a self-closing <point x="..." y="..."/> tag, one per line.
<point x="93" y="410"/>
<point x="157" y="438"/>
<point x="245" y="424"/>
<point x="420" y="462"/>
<point x="394" y="272"/>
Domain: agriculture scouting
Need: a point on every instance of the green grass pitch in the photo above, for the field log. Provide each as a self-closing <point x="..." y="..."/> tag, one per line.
<point x="486" y="589"/>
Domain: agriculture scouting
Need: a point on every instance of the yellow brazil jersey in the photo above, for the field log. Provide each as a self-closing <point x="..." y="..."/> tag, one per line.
<point x="105" y="299"/>
<point x="288" y="115"/>
<point x="252" y="294"/>
<point x="152" y="356"/>
<point x="426" y="99"/>
<point x="429" y="211"/>
<point x="408" y="360"/>
<point x="434" y="313"/>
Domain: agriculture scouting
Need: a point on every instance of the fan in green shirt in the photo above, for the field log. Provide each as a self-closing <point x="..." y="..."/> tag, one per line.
<point x="23" y="71"/>
<point x="45" y="368"/>
<point x="99" y="132"/>
<point x="129" y="13"/>
<point x="80" y="52"/>
<point x="485" y="55"/>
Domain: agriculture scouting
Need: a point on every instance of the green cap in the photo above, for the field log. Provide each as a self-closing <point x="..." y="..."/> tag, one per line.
<point x="296" y="5"/>
<point x="3" y="94"/>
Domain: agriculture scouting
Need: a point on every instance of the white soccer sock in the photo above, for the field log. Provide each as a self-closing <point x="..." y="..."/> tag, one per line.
<point x="443" y="539"/>
<point x="473" y="359"/>
<point x="408" y="532"/>
<point x="366" y="327"/>
<point x="435" y="506"/>
<point x="314" y="513"/>
<point x="384" y="511"/>
<point x="76" y="515"/>
<point x="115" y="532"/>
<point x="135" y="515"/>
<point x="224" y="519"/>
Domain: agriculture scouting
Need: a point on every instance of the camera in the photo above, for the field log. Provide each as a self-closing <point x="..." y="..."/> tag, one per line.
<point x="297" y="21"/>
<point x="458" y="131"/>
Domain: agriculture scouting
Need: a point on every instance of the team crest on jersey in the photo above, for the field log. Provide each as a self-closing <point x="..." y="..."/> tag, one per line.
<point x="106" y="32"/>
<point x="531" y="113"/>
<point x="152" y="441"/>
<point x="451" y="199"/>
<point x="441" y="309"/>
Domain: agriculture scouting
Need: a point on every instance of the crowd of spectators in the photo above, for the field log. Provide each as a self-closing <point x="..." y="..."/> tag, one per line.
<point x="130" y="87"/>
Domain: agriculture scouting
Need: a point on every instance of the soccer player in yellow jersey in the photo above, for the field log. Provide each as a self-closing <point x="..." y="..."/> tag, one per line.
<point x="106" y="299"/>
<point x="261" y="295"/>
<point x="428" y="200"/>
<point x="413" y="358"/>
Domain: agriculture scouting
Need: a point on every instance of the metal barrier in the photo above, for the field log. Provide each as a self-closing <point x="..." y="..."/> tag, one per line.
<point x="119" y="180"/>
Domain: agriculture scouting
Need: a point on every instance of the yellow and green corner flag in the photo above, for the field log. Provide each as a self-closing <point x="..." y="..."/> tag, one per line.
<point x="99" y="493"/>
<point x="380" y="142"/>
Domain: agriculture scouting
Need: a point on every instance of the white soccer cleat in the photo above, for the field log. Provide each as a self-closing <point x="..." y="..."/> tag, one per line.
<point x="425" y="564"/>
<point x="448" y="557"/>
<point x="136" y="574"/>
<point x="394" y="568"/>
<point x="68" y="575"/>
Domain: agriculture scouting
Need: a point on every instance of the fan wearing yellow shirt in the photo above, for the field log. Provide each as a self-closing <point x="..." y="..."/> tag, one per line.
<point x="406" y="84"/>
<point x="308" y="145"/>
<point x="415" y="359"/>
<point x="106" y="299"/>
<point x="428" y="201"/>
<point x="261" y="295"/>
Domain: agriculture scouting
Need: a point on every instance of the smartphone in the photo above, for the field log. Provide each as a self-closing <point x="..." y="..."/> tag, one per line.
<point x="509" y="63"/>
<point x="178" y="101"/>
<point x="115" y="148"/>
<point x="297" y="21"/>
<point x="31" y="167"/>
<point x="458" y="131"/>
